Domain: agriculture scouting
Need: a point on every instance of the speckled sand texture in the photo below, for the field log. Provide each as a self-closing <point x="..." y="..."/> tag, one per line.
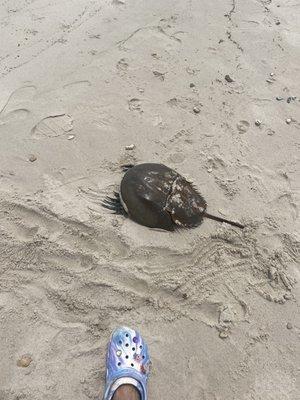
<point x="80" y="80"/>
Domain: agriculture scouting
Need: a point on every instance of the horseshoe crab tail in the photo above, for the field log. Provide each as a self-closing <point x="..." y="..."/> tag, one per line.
<point x="219" y="219"/>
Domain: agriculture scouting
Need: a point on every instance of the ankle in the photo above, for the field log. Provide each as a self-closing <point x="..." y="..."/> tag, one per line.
<point x="126" y="392"/>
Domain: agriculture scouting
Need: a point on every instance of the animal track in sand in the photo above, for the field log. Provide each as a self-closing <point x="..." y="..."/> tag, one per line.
<point x="80" y="262"/>
<point x="135" y="105"/>
<point x="122" y="65"/>
<point x="243" y="126"/>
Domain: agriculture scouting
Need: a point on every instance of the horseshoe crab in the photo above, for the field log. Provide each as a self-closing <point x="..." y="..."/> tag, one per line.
<point x="156" y="196"/>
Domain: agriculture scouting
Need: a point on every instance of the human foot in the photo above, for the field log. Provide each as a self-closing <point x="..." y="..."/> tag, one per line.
<point x="126" y="392"/>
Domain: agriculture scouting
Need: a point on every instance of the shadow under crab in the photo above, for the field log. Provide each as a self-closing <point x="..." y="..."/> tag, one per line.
<point x="156" y="196"/>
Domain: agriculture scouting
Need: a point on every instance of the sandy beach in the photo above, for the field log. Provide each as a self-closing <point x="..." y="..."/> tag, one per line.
<point x="209" y="88"/>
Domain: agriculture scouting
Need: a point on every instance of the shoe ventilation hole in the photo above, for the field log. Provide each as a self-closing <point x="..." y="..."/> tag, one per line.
<point x="119" y="364"/>
<point x="126" y="344"/>
<point x="133" y="349"/>
<point x="127" y="357"/>
<point x="132" y="365"/>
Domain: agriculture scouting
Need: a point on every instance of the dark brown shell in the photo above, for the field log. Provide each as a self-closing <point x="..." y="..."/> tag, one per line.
<point x="185" y="204"/>
<point x="156" y="196"/>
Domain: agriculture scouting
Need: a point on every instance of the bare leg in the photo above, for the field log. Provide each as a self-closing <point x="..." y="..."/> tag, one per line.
<point x="126" y="392"/>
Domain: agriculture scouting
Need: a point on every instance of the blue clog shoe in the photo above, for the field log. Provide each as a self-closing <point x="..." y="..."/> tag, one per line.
<point x="127" y="362"/>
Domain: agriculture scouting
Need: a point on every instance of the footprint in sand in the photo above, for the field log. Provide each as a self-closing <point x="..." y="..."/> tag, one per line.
<point x="14" y="116"/>
<point x="14" y="109"/>
<point x="53" y="126"/>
